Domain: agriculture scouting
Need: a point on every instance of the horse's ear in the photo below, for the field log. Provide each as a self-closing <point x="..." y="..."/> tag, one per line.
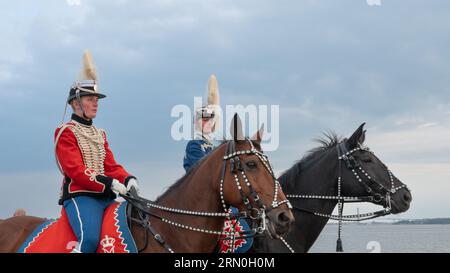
<point x="363" y="137"/>
<point x="236" y="128"/>
<point x="259" y="135"/>
<point x="357" y="137"/>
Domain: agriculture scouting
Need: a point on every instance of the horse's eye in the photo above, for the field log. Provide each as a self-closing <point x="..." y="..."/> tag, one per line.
<point x="251" y="164"/>
<point x="366" y="159"/>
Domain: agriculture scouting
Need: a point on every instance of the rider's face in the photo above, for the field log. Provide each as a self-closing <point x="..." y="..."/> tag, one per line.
<point x="206" y="125"/>
<point x="90" y="107"/>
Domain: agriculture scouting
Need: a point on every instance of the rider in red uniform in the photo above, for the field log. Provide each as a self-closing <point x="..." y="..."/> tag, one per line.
<point x="92" y="177"/>
<point x="206" y="122"/>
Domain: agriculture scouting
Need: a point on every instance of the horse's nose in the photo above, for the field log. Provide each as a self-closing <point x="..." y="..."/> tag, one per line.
<point x="407" y="197"/>
<point x="285" y="219"/>
<point x="281" y="221"/>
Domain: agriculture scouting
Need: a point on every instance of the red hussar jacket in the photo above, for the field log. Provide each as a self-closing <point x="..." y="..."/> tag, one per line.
<point x="88" y="165"/>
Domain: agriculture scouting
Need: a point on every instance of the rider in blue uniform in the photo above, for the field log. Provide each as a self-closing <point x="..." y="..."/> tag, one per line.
<point x="201" y="145"/>
<point x="206" y="121"/>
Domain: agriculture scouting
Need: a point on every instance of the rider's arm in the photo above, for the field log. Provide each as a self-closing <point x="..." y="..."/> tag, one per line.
<point x="69" y="157"/>
<point x="194" y="153"/>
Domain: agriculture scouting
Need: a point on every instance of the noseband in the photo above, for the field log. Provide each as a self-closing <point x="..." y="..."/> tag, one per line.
<point x="257" y="214"/>
<point x="377" y="192"/>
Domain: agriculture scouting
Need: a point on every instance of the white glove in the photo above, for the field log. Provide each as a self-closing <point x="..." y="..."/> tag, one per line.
<point x="118" y="187"/>
<point x="133" y="183"/>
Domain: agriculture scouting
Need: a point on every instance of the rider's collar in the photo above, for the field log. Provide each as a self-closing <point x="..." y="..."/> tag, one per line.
<point x="205" y="137"/>
<point x="81" y="120"/>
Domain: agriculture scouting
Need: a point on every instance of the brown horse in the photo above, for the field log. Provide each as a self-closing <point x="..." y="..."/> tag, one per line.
<point x="245" y="181"/>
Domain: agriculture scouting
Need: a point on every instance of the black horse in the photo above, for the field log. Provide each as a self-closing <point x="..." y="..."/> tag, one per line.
<point x="339" y="171"/>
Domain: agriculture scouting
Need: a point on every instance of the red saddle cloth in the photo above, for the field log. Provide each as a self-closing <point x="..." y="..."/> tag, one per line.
<point x="56" y="236"/>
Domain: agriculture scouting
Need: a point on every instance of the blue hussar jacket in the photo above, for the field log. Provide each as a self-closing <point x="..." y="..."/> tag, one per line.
<point x="195" y="150"/>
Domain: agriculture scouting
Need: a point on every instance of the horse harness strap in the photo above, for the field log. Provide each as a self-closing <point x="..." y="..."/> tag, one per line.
<point x="236" y="169"/>
<point x="144" y="222"/>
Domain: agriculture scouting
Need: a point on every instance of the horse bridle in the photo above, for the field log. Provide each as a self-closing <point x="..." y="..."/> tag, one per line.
<point x="256" y="214"/>
<point x="378" y="192"/>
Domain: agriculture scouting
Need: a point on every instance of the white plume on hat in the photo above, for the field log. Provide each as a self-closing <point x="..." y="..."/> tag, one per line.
<point x="213" y="91"/>
<point x="214" y="99"/>
<point x="88" y="71"/>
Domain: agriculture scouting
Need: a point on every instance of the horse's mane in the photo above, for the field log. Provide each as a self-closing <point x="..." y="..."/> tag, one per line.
<point x="327" y="141"/>
<point x="188" y="174"/>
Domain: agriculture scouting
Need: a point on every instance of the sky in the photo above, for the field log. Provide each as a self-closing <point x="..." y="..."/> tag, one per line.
<point x="328" y="65"/>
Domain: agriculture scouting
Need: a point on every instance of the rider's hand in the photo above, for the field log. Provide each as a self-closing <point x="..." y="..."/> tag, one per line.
<point x="132" y="183"/>
<point x="118" y="187"/>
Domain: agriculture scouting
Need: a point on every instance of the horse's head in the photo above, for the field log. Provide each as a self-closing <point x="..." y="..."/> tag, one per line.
<point x="362" y="167"/>
<point x="250" y="185"/>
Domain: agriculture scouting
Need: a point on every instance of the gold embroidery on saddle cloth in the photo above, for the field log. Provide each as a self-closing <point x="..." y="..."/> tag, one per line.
<point x="92" y="145"/>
